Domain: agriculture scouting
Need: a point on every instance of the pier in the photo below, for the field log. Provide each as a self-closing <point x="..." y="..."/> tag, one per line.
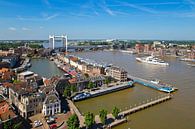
<point x="155" y="86"/>
<point x="148" y="103"/>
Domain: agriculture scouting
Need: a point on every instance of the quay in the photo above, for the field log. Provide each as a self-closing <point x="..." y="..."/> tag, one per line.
<point x="147" y="83"/>
<point x="106" y="90"/>
<point x="145" y="105"/>
<point x="114" y="88"/>
<point x="75" y="110"/>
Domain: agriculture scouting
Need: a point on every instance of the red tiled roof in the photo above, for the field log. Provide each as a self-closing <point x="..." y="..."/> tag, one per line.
<point x="73" y="80"/>
<point x="5" y="111"/>
<point x="7" y="84"/>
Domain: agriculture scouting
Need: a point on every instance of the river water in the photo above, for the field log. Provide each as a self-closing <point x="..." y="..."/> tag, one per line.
<point x="45" y="68"/>
<point x="177" y="113"/>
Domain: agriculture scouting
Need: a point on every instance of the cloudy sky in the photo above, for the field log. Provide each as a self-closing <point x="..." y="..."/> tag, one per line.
<point x="98" y="19"/>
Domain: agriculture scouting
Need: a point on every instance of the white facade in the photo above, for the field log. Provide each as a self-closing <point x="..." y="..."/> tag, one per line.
<point x="51" y="105"/>
<point x="75" y="64"/>
<point x="67" y="60"/>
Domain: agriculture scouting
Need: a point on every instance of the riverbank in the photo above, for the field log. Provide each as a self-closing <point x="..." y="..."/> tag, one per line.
<point x="174" y="112"/>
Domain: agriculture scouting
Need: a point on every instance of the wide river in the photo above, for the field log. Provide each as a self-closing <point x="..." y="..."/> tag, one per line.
<point x="178" y="113"/>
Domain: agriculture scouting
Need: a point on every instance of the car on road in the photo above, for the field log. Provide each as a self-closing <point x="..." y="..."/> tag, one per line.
<point x="37" y="123"/>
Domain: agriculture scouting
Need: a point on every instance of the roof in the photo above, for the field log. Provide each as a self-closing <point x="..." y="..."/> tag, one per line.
<point x="7" y="84"/>
<point x="73" y="80"/>
<point x="22" y="88"/>
<point x="51" y="98"/>
<point x="2" y="70"/>
<point x="26" y="73"/>
<point x="6" y="112"/>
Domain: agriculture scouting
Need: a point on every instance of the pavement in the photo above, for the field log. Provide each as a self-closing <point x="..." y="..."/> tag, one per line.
<point x="41" y="118"/>
<point x="61" y="118"/>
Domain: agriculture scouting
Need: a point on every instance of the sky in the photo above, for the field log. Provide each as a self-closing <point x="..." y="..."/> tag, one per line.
<point x="98" y="19"/>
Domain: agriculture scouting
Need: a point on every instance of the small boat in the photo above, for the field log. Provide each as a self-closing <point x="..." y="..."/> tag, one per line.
<point x="187" y="59"/>
<point x="192" y="65"/>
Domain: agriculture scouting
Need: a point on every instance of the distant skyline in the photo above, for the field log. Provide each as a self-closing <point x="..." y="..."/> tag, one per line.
<point x="98" y="19"/>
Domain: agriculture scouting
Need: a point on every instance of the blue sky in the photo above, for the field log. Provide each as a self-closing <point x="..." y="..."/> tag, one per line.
<point x="98" y="19"/>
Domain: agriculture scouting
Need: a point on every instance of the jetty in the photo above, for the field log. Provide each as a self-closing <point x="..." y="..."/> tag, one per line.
<point x="148" y="103"/>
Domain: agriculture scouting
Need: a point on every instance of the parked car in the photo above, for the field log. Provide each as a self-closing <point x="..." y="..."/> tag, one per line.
<point x="53" y="126"/>
<point x="51" y="120"/>
<point x="37" y="123"/>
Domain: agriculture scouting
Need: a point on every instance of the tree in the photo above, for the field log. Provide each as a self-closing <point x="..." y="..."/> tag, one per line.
<point x="115" y="112"/>
<point x="67" y="92"/>
<point x="107" y="81"/>
<point x="90" y="85"/>
<point x="103" y="116"/>
<point x="89" y="119"/>
<point x="73" y="88"/>
<point x="7" y="125"/>
<point x="73" y="122"/>
<point x="17" y="126"/>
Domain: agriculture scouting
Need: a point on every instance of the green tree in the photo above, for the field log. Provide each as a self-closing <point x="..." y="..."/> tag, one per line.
<point x="67" y="91"/>
<point x="16" y="81"/>
<point x="115" y="112"/>
<point x="90" y="85"/>
<point x="107" y="81"/>
<point x="103" y="116"/>
<point x="7" y="125"/>
<point x="89" y="119"/>
<point x="73" y="88"/>
<point x="17" y="126"/>
<point x="73" y="122"/>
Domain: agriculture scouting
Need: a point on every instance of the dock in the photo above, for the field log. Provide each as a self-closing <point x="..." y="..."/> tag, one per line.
<point x="145" y="105"/>
<point x="155" y="86"/>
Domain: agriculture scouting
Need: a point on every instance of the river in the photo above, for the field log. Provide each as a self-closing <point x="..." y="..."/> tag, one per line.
<point x="178" y="113"/>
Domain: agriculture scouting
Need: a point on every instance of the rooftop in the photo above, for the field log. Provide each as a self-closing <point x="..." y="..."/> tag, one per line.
<point x="26" y="73"/>
<point x="6" y="111"/>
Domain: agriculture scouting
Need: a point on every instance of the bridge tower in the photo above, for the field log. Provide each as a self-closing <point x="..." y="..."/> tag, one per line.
<point x="63" y="38"/>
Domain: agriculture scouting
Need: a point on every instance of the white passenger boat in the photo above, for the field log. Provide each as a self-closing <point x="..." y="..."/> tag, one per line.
<point x="152" y="60"/>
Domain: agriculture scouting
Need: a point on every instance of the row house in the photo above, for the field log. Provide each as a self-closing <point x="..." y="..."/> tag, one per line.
<point x="117" y="73"/>
<point x="29" y="100"/>
<point x="191" y="54"/>
<point x="7" y="114"/>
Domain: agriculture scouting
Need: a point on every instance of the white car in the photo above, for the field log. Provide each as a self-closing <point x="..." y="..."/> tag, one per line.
<point x="37" y="123"/>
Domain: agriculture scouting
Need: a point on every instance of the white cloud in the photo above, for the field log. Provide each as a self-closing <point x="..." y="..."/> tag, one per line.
<point x="25" y="29"/>
<point x="141" y="8"/>
<point x="51" y="16"/>
<point x="12" y="28"/>
<point x="41" y="27"/>
<point x="106" y="9"/>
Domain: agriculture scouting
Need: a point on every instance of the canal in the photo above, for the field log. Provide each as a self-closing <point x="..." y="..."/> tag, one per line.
<point x="45" y="68"/>
<point x="177" y="113"/>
